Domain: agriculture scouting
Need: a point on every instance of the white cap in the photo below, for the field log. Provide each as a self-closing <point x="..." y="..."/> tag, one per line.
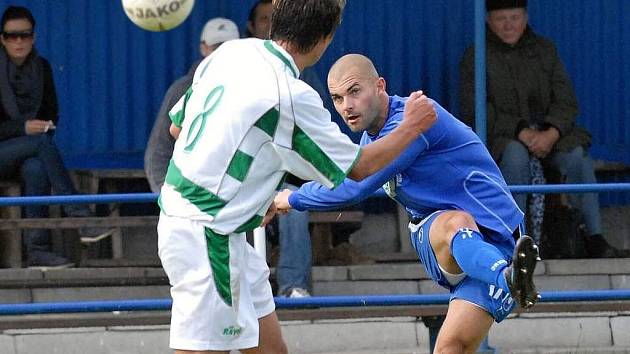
<point x="219" y="30"/>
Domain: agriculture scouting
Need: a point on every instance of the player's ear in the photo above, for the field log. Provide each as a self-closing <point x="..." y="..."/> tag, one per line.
<point x="204" y="49"/>
<point x="381" y="85"/>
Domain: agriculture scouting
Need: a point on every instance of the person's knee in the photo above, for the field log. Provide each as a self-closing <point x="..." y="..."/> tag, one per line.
<point x="576" y="164"/>
<point x="515" y="156"/>
<point x="456" y="344"/>
<point x="450" y="346"/>
<point x="32" y="166"/>
<point x="457" y="220"/>
<point x="446" y="227"/>
<point x="45" y="142"/>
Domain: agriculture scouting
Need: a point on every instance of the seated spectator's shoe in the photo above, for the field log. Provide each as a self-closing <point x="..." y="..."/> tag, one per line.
<point x="48" y="260"/>
<point x="88" y="234"/>
<point x="297" y="293"/>
<point x="94" y="234"/>
<point x="346" y="254"/>
<point x="598" y="247"/>
<point x="520" y="274"/>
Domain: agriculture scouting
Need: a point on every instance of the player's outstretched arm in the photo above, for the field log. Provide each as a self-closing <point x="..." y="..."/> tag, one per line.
<point x="419" y="116"/>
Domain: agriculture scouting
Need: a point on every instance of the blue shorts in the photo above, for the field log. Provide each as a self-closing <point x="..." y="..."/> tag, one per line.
<point x="490" y="298"/>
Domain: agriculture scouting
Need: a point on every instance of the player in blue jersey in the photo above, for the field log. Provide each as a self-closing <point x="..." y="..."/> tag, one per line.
<point x="464" y="221"/>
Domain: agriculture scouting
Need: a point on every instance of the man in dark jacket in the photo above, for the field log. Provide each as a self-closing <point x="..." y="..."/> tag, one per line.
<point x="28" y="118"/>
<point x="532" y="110"/>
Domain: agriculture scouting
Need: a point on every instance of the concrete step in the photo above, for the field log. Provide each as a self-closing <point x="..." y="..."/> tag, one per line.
<point x="597" y="333"/>
<point x="369" y="336"/>
<point x="606" y="350"/>
<point x="600" y="332"/>
<point x="36" y="285"/>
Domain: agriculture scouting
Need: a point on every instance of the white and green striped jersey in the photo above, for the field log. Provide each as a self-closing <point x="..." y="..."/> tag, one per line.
<point x="246" y="120"/>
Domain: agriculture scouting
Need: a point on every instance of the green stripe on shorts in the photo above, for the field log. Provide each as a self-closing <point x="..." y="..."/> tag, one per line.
<point x="219" y="255"/>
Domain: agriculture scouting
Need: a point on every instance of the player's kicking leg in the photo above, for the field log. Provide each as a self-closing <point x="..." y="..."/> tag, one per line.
<point x="460" y="247"/>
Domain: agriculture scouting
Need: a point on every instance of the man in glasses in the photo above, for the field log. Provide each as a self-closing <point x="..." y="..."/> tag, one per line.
<point x="28" y="118"/>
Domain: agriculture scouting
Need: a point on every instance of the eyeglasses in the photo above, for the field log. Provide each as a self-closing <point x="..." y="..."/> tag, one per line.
<point x="13" y="36"/>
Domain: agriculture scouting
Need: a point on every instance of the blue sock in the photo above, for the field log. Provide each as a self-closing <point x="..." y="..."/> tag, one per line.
<point x="479" y="259"/>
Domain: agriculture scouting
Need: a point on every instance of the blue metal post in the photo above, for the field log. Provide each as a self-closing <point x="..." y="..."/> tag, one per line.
<point x="480" y="93"/>
<point x="480" y="69"/>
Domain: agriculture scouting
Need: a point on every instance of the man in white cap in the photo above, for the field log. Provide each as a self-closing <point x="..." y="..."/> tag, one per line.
<point x="215" y="32"/>
<point x="160" y="145"/>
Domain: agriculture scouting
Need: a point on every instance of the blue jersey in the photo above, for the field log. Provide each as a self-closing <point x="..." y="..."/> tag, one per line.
<point x="446" y="168"/>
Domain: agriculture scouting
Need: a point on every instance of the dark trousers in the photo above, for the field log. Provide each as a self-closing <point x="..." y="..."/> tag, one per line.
<point x="36" y="161"/>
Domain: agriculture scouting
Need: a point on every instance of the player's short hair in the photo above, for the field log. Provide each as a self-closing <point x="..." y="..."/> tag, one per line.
<point x="17" y="13"/>
<point x="305" y="22"/>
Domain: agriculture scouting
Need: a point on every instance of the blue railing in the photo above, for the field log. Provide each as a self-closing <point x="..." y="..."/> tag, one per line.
<point x="152" y="197"/>
<point x="296" y="303"/>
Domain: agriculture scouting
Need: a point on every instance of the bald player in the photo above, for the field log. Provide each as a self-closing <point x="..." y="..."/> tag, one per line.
<point x="464" y="222"/>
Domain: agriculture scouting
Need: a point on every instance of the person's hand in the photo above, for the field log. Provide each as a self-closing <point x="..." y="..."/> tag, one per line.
<point x="281" y="201"/>
<point x="543" y="141"/>
<point x="526" y="135"/>
<point x="269" y="215"/>
<point x="38" y="126"/>
<point x="174" y="131"/>
<point x="419" y="112"/>
<point x="273" y="210"/>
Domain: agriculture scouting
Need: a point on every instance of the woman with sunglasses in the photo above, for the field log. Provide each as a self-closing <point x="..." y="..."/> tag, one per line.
<point x="28" y="118"/>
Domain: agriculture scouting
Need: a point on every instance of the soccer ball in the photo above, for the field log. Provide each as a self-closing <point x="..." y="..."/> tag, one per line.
<point x="157" y="15"/>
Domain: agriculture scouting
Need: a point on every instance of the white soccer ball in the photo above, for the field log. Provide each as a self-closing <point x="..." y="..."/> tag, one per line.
<point x="157" y="15"/>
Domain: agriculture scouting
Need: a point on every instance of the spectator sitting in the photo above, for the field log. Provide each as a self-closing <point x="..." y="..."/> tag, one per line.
<point x="532" y="110"/>
<point x="28" y="118"/>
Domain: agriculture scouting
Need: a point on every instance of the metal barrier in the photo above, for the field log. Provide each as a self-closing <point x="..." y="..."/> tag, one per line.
<point x="152" y="197"/>
<point x="259" y="233"/>
<point x="296" y="303"/>
<point x="312" y="303"/>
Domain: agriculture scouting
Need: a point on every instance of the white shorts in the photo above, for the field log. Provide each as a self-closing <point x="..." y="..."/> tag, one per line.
<point x="219" y="285"/>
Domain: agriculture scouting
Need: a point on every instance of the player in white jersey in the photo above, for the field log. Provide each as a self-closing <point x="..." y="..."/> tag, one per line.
<point x="245" y="122"/>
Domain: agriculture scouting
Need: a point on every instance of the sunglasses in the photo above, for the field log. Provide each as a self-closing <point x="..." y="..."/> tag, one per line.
<point x="13" y="36"/>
